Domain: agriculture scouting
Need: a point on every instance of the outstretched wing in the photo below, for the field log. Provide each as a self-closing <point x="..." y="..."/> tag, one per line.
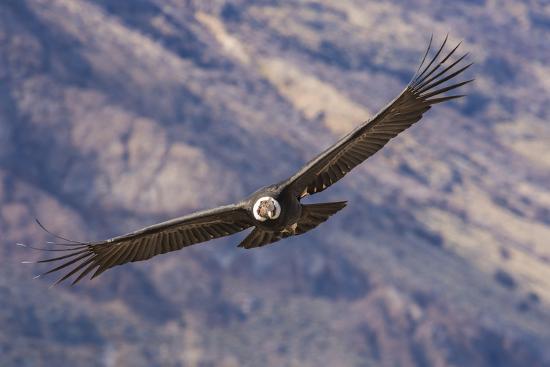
<point x="424" y="90"/>
<point x="150" y="241"/>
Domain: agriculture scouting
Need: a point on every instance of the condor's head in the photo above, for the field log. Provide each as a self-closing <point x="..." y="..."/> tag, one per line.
<point x="266" y="208"/>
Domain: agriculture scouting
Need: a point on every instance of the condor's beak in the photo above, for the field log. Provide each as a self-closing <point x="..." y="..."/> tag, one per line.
<point x="270" y="214"/>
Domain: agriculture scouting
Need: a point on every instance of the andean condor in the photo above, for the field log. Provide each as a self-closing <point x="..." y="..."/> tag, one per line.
<point x="275" y="211"/>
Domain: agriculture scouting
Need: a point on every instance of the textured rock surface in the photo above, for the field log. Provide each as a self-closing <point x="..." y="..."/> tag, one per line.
<point x="115" y="115"/>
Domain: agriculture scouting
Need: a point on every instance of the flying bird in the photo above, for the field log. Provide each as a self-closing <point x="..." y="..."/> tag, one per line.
<point x="275" y="212"/>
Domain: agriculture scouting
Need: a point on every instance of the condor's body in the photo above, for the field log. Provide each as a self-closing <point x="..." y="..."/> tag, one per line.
<point x="291" y="208"/>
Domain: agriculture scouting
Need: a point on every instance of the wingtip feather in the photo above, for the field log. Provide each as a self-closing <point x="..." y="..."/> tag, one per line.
<point x="444" y="99"/>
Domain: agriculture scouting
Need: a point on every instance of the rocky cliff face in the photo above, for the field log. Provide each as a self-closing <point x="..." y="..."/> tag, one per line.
<point x="115" y="115"/>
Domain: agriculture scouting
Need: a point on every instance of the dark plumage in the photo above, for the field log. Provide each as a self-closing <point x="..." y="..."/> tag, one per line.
<point x="275" y="211"/>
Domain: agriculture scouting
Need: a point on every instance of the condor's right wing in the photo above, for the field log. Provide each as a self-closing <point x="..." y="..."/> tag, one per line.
<point x="148" y="242"/>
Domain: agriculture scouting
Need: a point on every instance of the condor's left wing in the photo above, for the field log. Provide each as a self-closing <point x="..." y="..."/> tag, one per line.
<point x="425" y="90"/>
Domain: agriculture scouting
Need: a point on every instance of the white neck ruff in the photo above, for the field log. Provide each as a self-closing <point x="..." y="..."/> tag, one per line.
<point x="257" y="206"/>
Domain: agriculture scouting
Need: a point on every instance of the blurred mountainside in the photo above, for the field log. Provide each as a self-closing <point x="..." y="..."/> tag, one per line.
<point x="118" y="114"/>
